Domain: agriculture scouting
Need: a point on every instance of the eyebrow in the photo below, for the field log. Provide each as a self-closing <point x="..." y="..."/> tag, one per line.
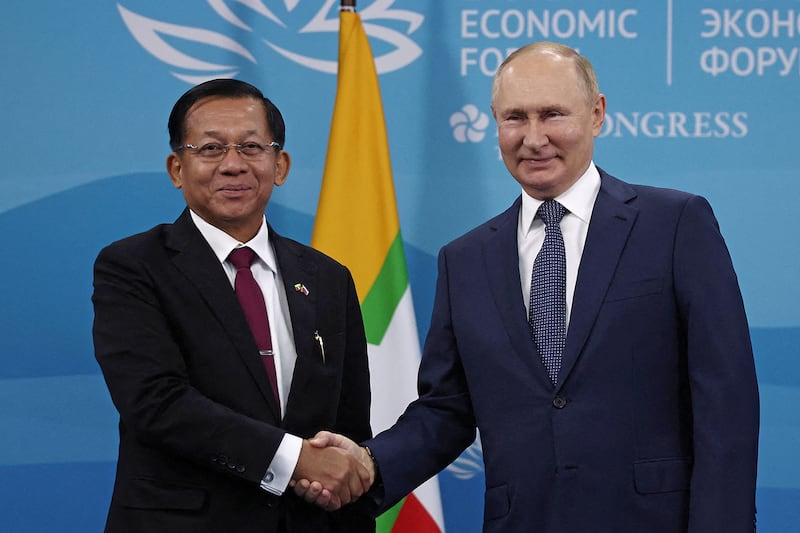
<point x="513" y="111"/>
<point x="554" y="107"/>
<point x="538" y="110"/>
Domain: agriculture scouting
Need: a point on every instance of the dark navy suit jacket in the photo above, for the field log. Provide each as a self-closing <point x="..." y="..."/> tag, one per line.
<point x="653" y="426"/>
<point x="199" y="424"/>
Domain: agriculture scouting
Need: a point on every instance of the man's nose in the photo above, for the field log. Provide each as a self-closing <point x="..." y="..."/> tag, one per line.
<point x="535" y="134"/>
<point x="232" y="159"/>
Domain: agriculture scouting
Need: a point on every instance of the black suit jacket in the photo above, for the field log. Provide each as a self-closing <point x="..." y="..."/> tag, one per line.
<point x="198" y="422"/>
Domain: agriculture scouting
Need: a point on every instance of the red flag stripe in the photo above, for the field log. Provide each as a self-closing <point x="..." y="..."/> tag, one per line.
<point x="414" y="518"/>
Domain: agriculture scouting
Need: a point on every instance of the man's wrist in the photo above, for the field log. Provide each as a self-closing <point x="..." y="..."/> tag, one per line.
<point x="373" y="464"/>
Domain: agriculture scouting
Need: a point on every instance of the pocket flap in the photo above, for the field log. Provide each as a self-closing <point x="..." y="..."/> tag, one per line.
<point x="662" y="475"/>
<point x="634" y="289"/>
<point x="496" y="502"/>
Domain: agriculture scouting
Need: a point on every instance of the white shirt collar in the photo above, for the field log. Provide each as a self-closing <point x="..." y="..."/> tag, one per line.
<point x="578" y="199"/>
<point x="223" y="244"/>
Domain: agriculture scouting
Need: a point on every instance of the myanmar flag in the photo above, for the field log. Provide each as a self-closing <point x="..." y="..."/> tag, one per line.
<point x="357" y="224"/>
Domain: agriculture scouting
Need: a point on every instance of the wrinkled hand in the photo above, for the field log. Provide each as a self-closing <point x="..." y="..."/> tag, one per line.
<point x="341" y="487"/>
<point x="331" y="471"/>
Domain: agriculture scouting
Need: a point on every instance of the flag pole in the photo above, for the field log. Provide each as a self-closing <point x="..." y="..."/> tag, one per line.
<point x="357" y="224"/>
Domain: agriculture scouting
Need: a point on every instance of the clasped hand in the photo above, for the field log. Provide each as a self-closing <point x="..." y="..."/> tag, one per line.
<point x="332" y="471"/>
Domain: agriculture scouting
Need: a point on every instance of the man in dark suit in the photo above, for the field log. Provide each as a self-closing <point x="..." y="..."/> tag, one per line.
<point x="644" y="416"/>
<point x="212" y="423"/>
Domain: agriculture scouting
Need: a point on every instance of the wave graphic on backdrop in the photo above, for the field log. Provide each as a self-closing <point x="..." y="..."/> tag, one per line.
<point x="155" y="36"/>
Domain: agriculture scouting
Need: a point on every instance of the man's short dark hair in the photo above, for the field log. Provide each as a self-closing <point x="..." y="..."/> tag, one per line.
<point x="224" y="88"/>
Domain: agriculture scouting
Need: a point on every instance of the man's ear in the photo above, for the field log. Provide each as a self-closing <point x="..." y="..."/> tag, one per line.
<point x="174" y="167"/>
<point x="599" y="113"/>
<point x="283" y="163"/>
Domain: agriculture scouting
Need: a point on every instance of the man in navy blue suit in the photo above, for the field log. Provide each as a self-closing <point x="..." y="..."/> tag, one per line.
<point x="648" y="422"/>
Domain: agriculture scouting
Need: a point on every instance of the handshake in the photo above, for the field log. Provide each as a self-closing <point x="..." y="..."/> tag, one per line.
<point x="332" y="471"/>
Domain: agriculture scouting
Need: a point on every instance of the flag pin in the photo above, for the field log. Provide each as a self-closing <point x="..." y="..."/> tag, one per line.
<point x="299" y="287"/>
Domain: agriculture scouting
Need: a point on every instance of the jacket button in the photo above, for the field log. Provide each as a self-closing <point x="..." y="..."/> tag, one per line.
<point x="559" y="402"/>
<point x="240" y="469"/>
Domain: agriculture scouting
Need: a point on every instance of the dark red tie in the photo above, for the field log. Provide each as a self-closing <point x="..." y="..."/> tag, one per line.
<point x="252" y="301"/>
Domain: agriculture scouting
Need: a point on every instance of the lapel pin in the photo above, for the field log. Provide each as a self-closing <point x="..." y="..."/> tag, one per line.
<point x="299" y="287"/>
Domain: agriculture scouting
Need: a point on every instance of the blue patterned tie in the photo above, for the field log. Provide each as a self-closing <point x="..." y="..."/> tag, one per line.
<point x="548" y="306"/>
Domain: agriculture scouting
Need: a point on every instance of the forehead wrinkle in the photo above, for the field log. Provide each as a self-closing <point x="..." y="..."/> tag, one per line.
<point x="217" y="134"/>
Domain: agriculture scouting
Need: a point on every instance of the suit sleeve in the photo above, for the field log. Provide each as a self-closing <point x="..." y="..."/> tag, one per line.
<point x="141" y="349"/>
<point x="724" y="392"/>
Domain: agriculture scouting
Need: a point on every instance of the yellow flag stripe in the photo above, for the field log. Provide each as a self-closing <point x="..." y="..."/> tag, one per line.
<point x="357" y="220"/>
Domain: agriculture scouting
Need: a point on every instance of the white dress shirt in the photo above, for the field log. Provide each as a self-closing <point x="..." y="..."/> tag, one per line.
<point x="579" y="202"/>
<point x="265" y="271"/>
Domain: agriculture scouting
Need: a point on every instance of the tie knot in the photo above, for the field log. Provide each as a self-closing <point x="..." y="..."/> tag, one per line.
<point x="551" y="212"/>
<point x="242" y="257"/>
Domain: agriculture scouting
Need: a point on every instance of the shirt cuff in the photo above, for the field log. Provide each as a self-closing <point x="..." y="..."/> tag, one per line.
<point x="280" y="470"/>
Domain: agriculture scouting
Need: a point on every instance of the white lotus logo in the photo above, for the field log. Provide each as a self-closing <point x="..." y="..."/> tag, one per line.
<point x="468" y="463"/>
<point x="151" y="33"/>
<point x="469" y="124"/>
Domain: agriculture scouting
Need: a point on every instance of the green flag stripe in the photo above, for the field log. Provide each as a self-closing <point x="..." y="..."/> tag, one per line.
<point x="385" y="294"/>
<point x="385" y="522"/>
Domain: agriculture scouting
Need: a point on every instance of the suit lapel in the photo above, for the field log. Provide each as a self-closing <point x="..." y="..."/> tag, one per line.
<point x="297" y="269"/>
<point x="611" y="223"/>
<point x="194" y="257"/>
<point x="502" y="272"/>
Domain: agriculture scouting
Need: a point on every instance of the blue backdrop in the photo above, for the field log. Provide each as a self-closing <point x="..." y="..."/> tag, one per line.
<point x="703" y="95"/>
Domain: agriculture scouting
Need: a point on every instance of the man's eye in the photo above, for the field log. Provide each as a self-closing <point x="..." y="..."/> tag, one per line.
<point x="252" y="149"/>
<point x="210" y="148"/>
